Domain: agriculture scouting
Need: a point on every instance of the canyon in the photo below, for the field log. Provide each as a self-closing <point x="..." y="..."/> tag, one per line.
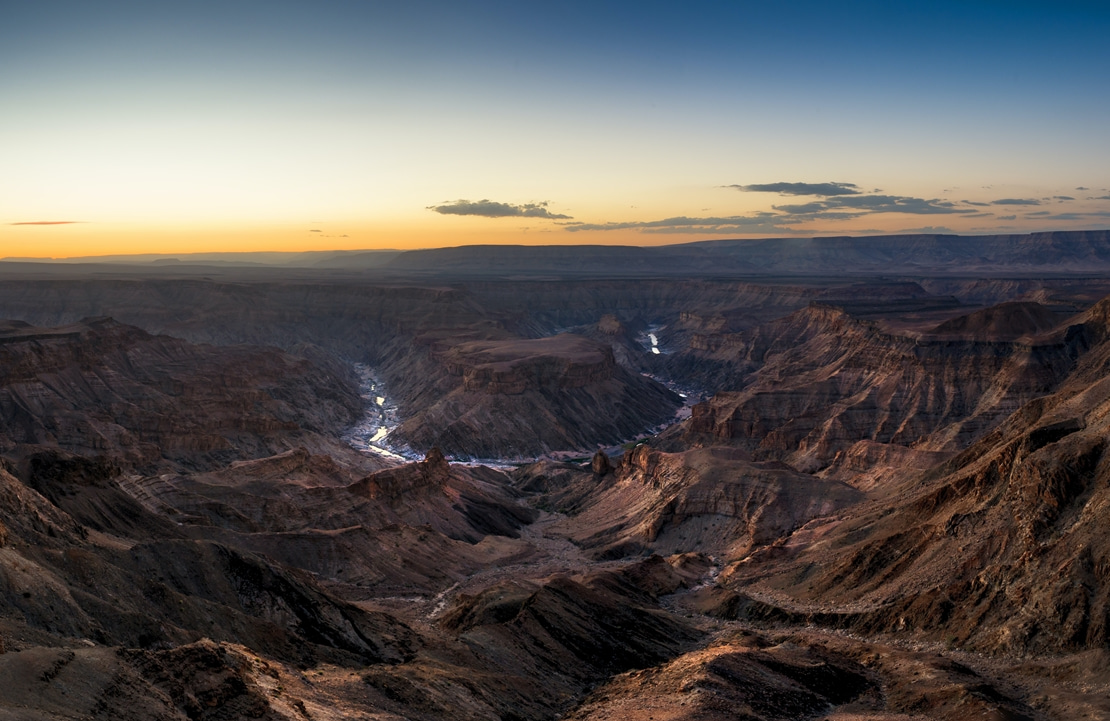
<point x="828" y="479"/>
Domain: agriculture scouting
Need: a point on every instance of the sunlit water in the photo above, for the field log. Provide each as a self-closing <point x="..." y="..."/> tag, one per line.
<point x="371" y="433"/>
<point x="649" y="339"/>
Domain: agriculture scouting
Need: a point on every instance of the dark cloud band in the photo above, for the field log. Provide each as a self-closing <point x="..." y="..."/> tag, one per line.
<point x="492" y="209"/>
<point x="820" y="189"/>
<point x="1017" y="201"/>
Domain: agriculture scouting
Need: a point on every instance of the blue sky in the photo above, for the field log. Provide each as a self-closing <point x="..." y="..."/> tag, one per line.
<point x="153" y="127"/>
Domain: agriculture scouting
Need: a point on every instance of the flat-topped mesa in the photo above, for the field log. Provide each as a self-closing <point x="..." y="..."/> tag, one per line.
<point x="520" y="398"/>
<point x="1002" y="322"/>
<point x="511" y="367"/>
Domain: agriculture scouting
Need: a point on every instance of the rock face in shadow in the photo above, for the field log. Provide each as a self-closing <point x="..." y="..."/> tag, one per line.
<point x="100" y="387"/>
<point x="58" y="578"/>
<point x="518" y="398"/>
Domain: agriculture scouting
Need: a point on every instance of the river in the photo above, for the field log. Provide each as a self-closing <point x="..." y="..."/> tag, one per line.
<point x="371" y="434"/>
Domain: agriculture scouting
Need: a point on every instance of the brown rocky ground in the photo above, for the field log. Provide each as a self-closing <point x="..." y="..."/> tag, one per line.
<point x="826" y="391"/>
<point x="519" y="398"/>
<point x="293" y="578"/>
<point x="101" y="387"/>
<point x="711" y="500"/>
<point x="1002" y="548"/>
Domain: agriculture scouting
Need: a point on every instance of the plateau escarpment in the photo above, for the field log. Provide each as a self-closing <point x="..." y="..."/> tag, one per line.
<point x="823" y="388"/>
<point x="518" y="398"/>
<point x="101" y="387"/>
<point x="1002" y="548"/>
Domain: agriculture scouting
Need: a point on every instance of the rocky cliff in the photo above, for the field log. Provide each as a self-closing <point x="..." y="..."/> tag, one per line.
<point x="1002" y="548"/>
<point x="519" y="398"/>
<point x="821" y="381"/>
<point x="101" y="387"/>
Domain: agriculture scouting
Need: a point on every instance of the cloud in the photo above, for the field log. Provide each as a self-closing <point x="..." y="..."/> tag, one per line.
<point x="786" y="217"/>
<point x="930" y="230"/>
<point x="972" y="202"/>
<point x="757" y="223"/>
<point x="1017" y="201"/>
<point x="1082" y="188"/>
<point x="867" y="204"/>
<point x="1065" y="216"/>
<point x="314" y="230"/>
<point x="1007" y="217"/>
<point x="1063" y="197"/>
<point x="1070" y="216"/>
<point x="1100" y="197"/>
<point x="1038" y="214"/>
<point x="48" y="222"/>
<point x="492" y="209"/>
<point x="822" y="189"/>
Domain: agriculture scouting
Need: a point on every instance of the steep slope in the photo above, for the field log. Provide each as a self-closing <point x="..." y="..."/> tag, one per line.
<point x="1003" y="548"/>
<point x="60" y="579"/>
<point x="831" y="392"/>
<point x="518" y="398"/>
<point x="407" y="530"/>
<point x="99" y="386"/>
<point x="711" y="500"/>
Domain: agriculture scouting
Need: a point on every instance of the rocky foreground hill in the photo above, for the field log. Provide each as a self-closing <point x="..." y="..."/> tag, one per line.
<point x="888" y="500"/>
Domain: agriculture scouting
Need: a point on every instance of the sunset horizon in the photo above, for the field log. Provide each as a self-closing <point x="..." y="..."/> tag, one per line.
<point x="282" y="127"/>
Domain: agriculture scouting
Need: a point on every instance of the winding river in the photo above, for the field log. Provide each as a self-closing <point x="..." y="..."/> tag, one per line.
<point x="371" y="433"/>
<point x="378" y="420"/>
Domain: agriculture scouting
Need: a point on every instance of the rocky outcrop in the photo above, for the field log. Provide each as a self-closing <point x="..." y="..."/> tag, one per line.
<point x="713" y="500"/>
<point x="822" y="381"/>
<point x="1002" y="548"/>
<point x="394" y="484"/>
<point x="600" y="464"/>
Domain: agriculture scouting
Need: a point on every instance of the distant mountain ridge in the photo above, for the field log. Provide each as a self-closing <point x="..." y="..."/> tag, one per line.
<point x="1059" y="251"/>
<point x="1081" y="251"/>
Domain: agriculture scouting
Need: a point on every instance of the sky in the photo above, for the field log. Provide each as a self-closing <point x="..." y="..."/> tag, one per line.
<point x="158" y="127"/>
